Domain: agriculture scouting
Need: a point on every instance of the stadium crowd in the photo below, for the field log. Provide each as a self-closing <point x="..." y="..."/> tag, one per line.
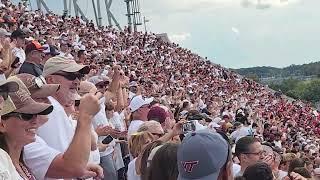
<point x="86" y="102"/>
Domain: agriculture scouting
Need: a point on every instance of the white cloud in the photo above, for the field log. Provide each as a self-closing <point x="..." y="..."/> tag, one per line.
<point x="235" y="30"/>
<point x="265" y="4"/>
<point x="180" y="37"/>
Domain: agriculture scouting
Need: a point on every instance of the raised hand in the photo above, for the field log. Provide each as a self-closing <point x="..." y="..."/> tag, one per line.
<point x="89" y="104"/>
<point x="93" y="171"/>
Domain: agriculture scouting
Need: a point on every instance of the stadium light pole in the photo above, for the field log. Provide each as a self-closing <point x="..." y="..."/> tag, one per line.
<point x="145" y="23"/>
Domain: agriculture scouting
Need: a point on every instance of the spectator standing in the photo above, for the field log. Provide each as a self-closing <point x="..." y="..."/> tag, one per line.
<point x="164" y="163"/>
<point x="67" y="73"/>
<point x="34" y="55"/>
<point x="196" y="160"/>
<point x="44" y="161"/>
<point x="7" y="169"/>
<point x="139" y="108"/>
<point x="18" y="38"/>
<point x="19" y="125"/>
<point x="261" y="171"/>
<point x="249" y="151"/>
<point x="49" y="52"/>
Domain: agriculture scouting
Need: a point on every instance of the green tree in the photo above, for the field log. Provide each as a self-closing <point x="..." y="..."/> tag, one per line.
<point x="312" y="90"/>
<point x="254" y="77"/>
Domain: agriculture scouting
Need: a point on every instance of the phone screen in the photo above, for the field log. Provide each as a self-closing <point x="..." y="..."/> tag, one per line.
<point x="15" y="63"/>
<point x="107" y="140"/>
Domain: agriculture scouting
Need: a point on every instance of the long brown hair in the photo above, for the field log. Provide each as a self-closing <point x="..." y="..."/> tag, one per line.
<point x="137" y="141"/>
<point x="164" y="163"/>
<point x="4" y="144"/>
<point x="143" y="159"/>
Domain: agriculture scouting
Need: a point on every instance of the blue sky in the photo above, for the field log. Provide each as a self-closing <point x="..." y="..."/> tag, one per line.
<point x="233" y="33"/>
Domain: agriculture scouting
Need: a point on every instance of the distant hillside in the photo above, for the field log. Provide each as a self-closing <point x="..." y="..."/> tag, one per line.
<point x="311" y="69"/>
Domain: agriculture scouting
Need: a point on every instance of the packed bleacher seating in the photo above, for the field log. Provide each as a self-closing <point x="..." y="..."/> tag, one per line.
<point x="100" y="103"/>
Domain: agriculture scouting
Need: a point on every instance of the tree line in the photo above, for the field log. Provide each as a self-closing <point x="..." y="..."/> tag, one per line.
<point x="290" y="85"/>
<point x="310" y="69"/>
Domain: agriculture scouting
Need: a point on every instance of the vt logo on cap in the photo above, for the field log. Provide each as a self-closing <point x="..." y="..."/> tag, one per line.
<point x="189" y="165"/>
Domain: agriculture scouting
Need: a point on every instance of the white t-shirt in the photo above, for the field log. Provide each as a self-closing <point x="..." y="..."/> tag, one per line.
<point x="101" y="119"/>
<point x="19" y="52"/>
<point x="134" y="126"/>
<point x="58" y="131"/>
<point x="38" y="157"/>
<point x="282" y="174"/>
<point x="7" y="170"/>
<point x="94" y="157"/>
<point x="117" y="122"/>
<point x="132" y="174"/>
<point x="236" y="168"/>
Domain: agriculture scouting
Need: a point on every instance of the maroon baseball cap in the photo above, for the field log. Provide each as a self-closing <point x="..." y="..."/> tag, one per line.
<point x="34" y="45"/>
<point x="157" y="113"/>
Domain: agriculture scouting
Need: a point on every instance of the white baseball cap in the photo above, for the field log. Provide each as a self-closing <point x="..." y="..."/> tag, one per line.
<point x="138" y="101"/>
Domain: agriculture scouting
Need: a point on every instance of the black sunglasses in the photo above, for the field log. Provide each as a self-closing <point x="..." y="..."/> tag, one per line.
<point x="102" y="85"/>
<point x="70" y="76"/>
<point x="22" y="116"/>
<point x="5" y="95"/>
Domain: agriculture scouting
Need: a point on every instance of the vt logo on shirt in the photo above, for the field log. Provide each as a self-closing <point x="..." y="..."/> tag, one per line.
<point x="189" y="165"/>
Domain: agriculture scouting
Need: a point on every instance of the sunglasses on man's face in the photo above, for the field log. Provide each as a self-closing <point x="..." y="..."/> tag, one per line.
<point x="22" y="116"/>
<point x="70" y="76"/>
<point x="103" y="85"/>
<point x="4" y="95"/>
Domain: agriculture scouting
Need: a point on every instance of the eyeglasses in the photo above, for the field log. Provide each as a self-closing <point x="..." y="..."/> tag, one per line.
<point x="102" y="85"/>
<point x="256" y="154"/>
<point x="22" y="116"/>
<point x="70" y="76"/>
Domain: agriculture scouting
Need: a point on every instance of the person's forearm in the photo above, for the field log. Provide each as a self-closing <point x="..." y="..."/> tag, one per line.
<point x="120" y="104"/>
<point x="77" y="154"/>
<point x="167" y="137"/>
<point x="125" y="97"/>
<point x="115" y="83"/>
<point x="72" y="163"/>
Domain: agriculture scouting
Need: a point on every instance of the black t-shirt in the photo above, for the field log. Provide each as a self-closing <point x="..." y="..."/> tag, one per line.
<point x="31" y="68"/>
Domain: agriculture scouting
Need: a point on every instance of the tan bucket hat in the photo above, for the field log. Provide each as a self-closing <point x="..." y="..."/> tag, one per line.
<point x="23" y="103"/>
